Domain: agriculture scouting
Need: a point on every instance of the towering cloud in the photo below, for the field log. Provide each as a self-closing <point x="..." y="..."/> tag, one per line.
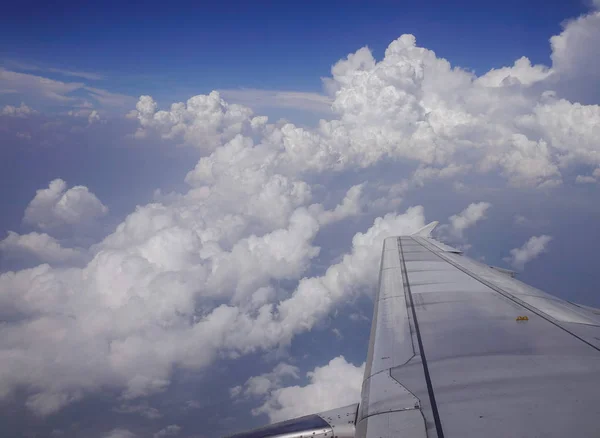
<point x="414" y="106"/>
<point x="573" y="59"/>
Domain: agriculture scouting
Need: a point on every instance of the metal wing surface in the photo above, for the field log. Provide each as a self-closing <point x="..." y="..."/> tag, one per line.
<point x="460" y="349"/>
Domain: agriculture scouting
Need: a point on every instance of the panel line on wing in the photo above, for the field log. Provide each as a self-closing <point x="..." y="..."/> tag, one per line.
<point x="434" y="408"/>
<point x="505" y="294"/>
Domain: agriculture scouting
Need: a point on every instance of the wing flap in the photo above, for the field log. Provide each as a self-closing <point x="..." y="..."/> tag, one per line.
<point x="339" y="422"/>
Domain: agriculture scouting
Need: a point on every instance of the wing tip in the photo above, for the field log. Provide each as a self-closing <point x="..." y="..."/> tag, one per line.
<point x="426" y="230"/>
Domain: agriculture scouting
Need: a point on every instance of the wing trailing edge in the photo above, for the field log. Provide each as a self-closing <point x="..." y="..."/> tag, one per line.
<point x="336" y="423"/>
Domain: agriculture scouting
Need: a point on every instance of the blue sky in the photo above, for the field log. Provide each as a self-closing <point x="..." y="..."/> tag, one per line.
<point x="176" y="49"/>
<point x="199" y="269"/>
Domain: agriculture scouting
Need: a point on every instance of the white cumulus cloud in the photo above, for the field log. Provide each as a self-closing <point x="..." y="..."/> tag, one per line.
<point x="204" y="121"/>
<point x="120" y="433"/>
<point x="333" y="385"/>
<point x="171" y="430"/>
<point x="522" y="72"/>
<point x="588" y="179"/>
<point x="112" y="323"/>
<point x="40" y="246"/>
<point x="142" y="409"/>
<point x="93" y="117"/>
<point x="351" y="206"/>
<point x="17" y="111"/>
<point x="474" y="213"/>
<point x="59" y="206"/>
<point x="255" y="98"/>
<point x="530" y="250"/>
<point x="585" y="179"/>
<point x="263" y="384"/>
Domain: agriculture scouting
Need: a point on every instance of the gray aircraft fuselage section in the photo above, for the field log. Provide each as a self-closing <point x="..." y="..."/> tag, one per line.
<point x="459" y="349"/>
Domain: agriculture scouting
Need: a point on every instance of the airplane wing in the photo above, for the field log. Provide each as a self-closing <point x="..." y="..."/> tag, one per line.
<point x="461" y="349"/>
